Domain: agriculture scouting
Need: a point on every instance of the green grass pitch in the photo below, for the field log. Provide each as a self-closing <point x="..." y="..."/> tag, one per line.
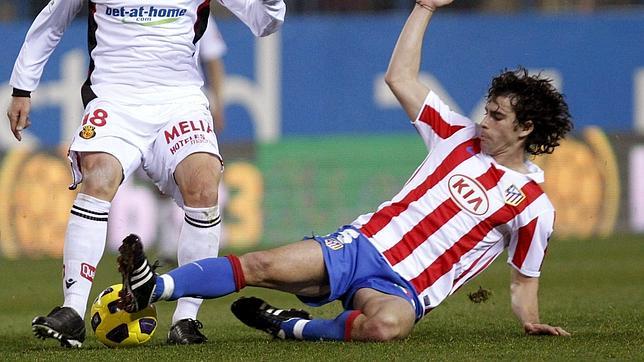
<point x="593" y="288"/>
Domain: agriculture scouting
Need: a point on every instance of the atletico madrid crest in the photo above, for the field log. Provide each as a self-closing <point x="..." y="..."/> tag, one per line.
<point x="514" y="196"/>
<point x="333" y="244"/>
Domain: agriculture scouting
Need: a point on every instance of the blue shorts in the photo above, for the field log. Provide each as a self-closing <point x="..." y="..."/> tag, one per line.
<point x="353" y="263"/>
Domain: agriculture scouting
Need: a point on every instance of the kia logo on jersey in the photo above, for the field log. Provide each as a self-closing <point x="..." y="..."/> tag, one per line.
<point x="468" y="194"/>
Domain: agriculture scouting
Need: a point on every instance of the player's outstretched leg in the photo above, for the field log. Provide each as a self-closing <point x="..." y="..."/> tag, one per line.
<point x="139" y="278"/>
<point x="63" y="324"/>
<point x="256" y="313"/>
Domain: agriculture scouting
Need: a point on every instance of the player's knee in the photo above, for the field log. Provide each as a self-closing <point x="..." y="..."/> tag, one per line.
<point x="257" y="267"/>
<point x="200" y="193"/>
<point x="199" y="181"/>
<point x="383" y="327"/>
<point x="102" y="175"/>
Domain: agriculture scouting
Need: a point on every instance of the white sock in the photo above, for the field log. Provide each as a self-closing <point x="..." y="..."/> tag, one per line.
<point x="84" y="245"/>
<point x="168" y="287"/>
<point x="199" y="239"/>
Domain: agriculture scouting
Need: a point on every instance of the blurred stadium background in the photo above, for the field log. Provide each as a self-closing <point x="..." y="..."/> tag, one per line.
<point x="314" y="139"/>
<point x="313" y="136"/>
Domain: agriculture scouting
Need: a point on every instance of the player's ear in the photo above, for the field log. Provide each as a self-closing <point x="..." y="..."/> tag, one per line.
<point x="526" y="128"/>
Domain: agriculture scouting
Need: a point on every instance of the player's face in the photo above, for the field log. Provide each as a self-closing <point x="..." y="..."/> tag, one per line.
<point x="500" y="133"/>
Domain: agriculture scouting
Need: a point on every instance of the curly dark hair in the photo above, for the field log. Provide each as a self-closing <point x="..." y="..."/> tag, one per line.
<point x="534" y="99"/>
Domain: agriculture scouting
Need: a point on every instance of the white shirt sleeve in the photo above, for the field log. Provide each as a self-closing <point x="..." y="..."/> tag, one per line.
<point x="41" y="40"/>
<point x="263" y="17"/>
<point x="528" y="247"/>
<point x="437" y="122"/>
<point x="212" y="44"/>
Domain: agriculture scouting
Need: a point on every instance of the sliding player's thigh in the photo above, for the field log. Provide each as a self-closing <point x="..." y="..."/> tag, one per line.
<point x="296" y="268"/>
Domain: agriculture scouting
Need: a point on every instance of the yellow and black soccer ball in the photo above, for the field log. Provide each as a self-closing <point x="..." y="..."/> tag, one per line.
<point x="117" y="328"/>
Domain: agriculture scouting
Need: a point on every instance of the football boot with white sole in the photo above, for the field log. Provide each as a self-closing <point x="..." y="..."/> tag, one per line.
<point x="63" y="324"/>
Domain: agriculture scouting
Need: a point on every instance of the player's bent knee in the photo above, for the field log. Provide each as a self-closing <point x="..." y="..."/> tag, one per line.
<point x="200" y="188"/>
<point x="198" y="179"/>
<point x="200" y="194"/>
<point x="383" y="328"/>
<point x="102" y="175"/>
<point x="257" y="267"/>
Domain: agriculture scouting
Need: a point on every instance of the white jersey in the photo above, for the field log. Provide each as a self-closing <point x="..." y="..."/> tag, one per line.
<point x="458" y="211"/>
<point x="141" y="52"/>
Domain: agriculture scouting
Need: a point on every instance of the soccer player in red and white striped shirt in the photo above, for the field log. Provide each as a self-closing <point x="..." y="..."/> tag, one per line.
<point x="475" y="195"/>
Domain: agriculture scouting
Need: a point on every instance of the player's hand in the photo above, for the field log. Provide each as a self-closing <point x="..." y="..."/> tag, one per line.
<point x="18" y="115"/>
<point x="433" y="4"/>
<point x="538" y="329"/>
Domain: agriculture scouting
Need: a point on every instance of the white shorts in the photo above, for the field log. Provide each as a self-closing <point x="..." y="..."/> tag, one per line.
<point x="157" y="137"/>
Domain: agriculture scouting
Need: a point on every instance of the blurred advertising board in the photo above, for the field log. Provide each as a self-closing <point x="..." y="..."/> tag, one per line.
<point x="281" y="192"/>
<point x="316" y="139"/>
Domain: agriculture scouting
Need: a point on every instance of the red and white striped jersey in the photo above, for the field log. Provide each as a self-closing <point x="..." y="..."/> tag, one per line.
<point x="459" y="210"/>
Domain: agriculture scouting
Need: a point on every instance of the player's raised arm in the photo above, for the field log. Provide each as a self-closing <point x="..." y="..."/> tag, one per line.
<point x="263" y="17"/>
<point x="404" y="66"/>
<point x="525" y="305"/>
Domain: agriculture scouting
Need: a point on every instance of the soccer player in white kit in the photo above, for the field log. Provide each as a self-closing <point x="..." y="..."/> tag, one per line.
<point x="475" y="195"/>
<point x="143" y="107"/>
<point x="212" y="49"/>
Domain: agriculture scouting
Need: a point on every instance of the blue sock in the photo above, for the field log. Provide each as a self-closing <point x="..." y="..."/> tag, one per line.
<point x="206" y="278"/>
<point x="338" y="329"/>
